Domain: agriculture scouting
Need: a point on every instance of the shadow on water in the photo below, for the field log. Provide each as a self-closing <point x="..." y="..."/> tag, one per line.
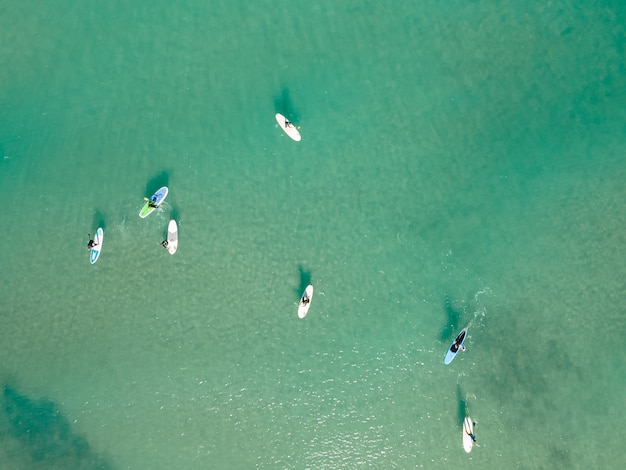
<point x="283" y="105"/>
<point x="158" y="181"/>
<point x="305" y="280"/>
<point x="453" y="317"/>
<point x="99" y="220"/>
<point x="175" y="214"/>
<point x="462" y="410"/>
<point x="43" y="436"/>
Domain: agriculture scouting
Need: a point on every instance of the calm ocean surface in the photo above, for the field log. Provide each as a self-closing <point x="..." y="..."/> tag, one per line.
<point x="460" y="162"/>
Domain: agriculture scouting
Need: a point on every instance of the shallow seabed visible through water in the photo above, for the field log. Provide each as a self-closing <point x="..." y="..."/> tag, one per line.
<point x="460" y="163"/>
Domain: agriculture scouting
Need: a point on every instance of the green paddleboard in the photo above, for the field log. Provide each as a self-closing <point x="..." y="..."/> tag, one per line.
<point x="154" y="202"/>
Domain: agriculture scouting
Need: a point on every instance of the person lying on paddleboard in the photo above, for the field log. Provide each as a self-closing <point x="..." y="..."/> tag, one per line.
<point x="472" y="434"/>
<point x="458" y="343"/>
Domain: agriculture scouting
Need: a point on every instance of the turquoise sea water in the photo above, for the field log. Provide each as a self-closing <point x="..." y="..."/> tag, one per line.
<point x="460" y="162"/>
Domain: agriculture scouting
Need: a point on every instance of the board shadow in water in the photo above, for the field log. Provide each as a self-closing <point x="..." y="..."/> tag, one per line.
<point x="158" y="181"/>
<point x="305" y="280"/>
<point x="453" y="318"/>
<point x="175" y="214"/>
<point x="43" y="435"/>
<point x="283" y="105"/>
<point x="99" y="220"/>
<point x="462" y="410"/>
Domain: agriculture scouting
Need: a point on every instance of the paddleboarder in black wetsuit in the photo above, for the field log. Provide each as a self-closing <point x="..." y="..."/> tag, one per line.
<point x="458" y="343"/>
<point x="91" y="243"/>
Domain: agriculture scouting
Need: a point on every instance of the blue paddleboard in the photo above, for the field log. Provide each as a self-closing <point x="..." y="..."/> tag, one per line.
<point x="155" y="201"/>
<point x="455" y="346"/>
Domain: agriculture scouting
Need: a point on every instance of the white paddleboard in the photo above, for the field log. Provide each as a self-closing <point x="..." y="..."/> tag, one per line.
<point x="172" y="237"/>
<point x="468" y="431"/>
<point x="288" y="127"/>
<point x="94" y="252"/>
<point x="305" y="301"/>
